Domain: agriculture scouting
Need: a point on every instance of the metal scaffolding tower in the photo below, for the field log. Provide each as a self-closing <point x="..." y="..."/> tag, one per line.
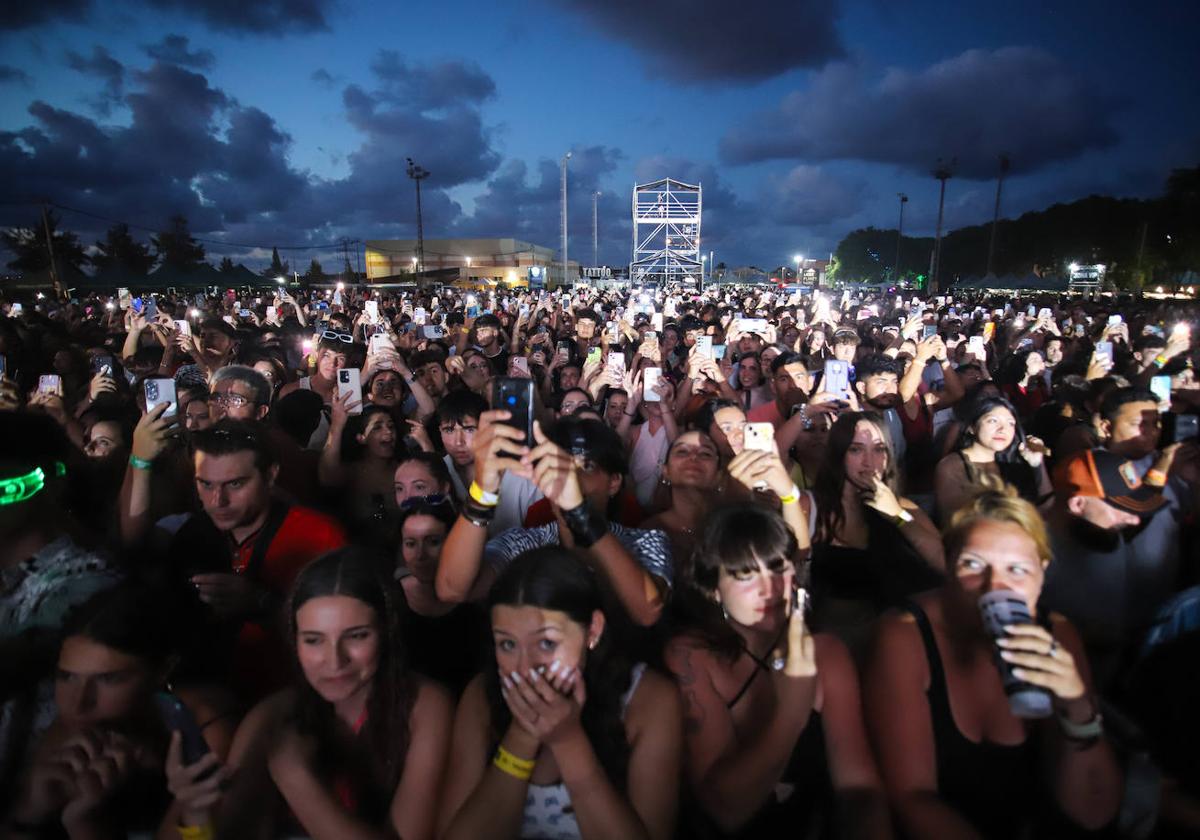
<point x="666" y="232"/>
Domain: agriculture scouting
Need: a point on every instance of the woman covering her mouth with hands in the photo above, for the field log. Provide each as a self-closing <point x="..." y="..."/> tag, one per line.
<point x="561" y="737"/>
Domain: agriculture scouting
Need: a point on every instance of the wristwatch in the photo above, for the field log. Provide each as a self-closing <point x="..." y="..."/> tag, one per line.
<point x="902" y="518"/>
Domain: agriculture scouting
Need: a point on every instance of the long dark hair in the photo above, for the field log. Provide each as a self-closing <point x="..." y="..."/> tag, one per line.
<point x="831" y="477"/>
<point x="1012" y="467"/>
<point x="735" y="539"/>
<point x="361" y="574"/>
<point x="556" y="578"/>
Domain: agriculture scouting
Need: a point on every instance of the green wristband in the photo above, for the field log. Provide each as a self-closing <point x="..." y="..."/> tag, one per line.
<point x="140" y="463"/>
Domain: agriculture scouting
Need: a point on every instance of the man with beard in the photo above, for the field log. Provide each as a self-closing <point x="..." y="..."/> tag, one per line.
<point x="908" y="407"/>
<point x="1116" y="528"/>
<point x="790" y="383"/>
<point x="488" y="340"/>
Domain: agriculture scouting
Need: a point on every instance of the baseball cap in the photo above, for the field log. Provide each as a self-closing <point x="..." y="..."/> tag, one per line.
<point x="1105" y="475"/>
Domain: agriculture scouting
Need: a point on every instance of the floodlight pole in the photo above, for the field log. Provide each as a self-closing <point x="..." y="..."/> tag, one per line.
<point x="1004" y="164"/>
<point x="418" y="174"/>
<point x="899" y="239"/>
<point x="563" y="164"/>
<point x="595" y="230"/>
<point x="943" y="173"/>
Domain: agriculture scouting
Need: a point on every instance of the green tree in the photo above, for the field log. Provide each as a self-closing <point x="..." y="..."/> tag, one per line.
<point x="315" y="273"/>
<point x="176" y="247"/>
<point x="277" y="268"/>
<point x="226" y="266"/>
<point x="28" y="245"/>
<point x="119" y="251"/>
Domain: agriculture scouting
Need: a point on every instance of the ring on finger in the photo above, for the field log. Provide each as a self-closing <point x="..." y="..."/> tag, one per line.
<point x="1053" y="649"/>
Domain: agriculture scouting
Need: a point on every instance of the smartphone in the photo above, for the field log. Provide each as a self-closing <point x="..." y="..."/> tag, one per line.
<point x="272" y="313"/>
<point x="100" y="362"/>
<point x="521" y="363"/>
<point x="151" y="309"/>
<point x="976" y="346"/>
<point x="564" y="347"/>
<point x="1186" y="427"/>
<point x="928" y="331"/>
<point x="593" y="356"/>
<point x="836" y="379"/>
<point x="372" y="309"/>
<point x="244" y="313"/>
<point x="124" y="299"/>
<point x="718" y="351"/>
<point x="760" y="437"/>
<point x="434" y="331"/>
<point x="1161" y="386"/>
<point x="419" y="315"/>
<point x="989" y="330"/>
<point x="656" y="321"/>
<point x="350" y="382"/>
<point x="50" y="383"/>
<point x="1044" y="313"/>
<point x="1114" y="320"/>
<point x="704" y="345"/>
<point x="159" y="391"/>
<point x="379" y="344"/>
<point x="176" y="717"/>
<point x="1105" y="349"/>
<point x="614" y="332"/>
<point x="650" y="377"/>
<point x="515" y="395"/>
<point x="616" y="363"/>
<point x="185" y="327"/>
<point x="754" y="325"/>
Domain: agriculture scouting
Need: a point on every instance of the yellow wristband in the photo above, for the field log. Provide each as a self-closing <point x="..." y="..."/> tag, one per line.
<point x="792" y="497"/>
<point x="482" y="496"/>
<point x="518" y="768"/>
<point x="196" y="832"/>
<point x="1156" y="478"/>
<point x="1161" y="360"/>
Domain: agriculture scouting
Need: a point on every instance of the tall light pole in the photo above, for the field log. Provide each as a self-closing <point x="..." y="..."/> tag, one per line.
<point x="899" y="239"/>
<point x="565" y="158"/>
<point x="798" y="259"/>
<point x="703" y="260"/>
<point x="595" y="229"/>
<point x="943" y="173"/>
<point x="418" y="174"/>
<point x="1004" y="164"/>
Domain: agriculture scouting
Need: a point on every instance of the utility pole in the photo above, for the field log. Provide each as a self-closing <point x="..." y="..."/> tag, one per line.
<point x="418" y="174"/>
<point x="563" y="164"/>
<point x="1004" y="164"/>
<point x="899" y="238"/>
<point x="595" y="230"/>
<point x="943" y="173"/>
<point x="50" y="249"/>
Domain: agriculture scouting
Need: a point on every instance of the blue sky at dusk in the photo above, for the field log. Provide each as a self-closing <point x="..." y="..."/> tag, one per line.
<point x="287" y="122"/>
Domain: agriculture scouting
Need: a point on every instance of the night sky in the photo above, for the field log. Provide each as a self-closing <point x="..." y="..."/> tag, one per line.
<point x="287" y="122"/>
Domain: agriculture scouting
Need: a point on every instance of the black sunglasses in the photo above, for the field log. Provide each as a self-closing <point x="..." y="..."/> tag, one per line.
<point x="436" y="500"/>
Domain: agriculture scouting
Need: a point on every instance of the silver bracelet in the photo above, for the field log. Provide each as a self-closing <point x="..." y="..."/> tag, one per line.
<point x="1089" y="730"/>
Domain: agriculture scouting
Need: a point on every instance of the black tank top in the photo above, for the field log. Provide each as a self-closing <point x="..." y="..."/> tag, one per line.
<point x="802" y="804"/>
<point x="993" y="786"/>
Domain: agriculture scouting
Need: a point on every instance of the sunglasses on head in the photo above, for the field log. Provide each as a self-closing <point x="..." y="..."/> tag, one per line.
<point x="331" y="335"/>
<point x="436" y="500"/>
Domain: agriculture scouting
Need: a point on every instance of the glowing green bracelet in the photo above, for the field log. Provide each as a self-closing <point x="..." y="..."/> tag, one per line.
<point x="24" y="487"/>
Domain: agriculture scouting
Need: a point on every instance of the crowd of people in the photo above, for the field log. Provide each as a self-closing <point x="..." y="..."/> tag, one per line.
<point x="627" y="563"/>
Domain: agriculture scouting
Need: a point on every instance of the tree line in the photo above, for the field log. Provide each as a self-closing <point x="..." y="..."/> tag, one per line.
<point x="1141" y="242"/>
<point x="120" y="254"/>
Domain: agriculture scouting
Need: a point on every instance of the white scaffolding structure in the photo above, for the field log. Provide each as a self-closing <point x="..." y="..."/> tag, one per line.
<point x="666" y="232"/>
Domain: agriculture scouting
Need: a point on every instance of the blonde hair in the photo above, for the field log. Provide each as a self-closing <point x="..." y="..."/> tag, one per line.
<point x="995" y="501"/>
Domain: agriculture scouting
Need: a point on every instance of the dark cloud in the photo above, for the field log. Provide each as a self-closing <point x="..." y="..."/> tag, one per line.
<point x="103" y="66"/>
<point x="323" y="77"/>
<point x="702" y="40"/>
<point x="14" y="75"/>
<point x="174" y="48"/>
<point x="430" y="86"/>
<point x="808" y="195"/>
<point x="526" y="204"/>
<point x="257" y="17"/>
<point x="1019" y="101"/>
<point x="25" y="15"/>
